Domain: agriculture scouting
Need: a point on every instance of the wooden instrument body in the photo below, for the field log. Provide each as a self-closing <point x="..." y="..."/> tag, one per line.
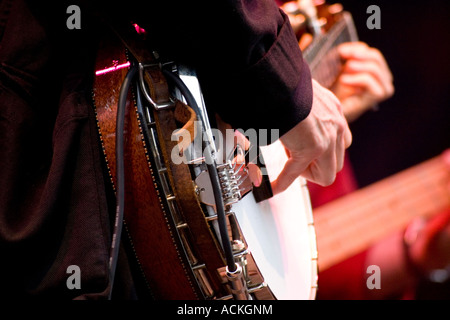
<point x="353" y="223"/>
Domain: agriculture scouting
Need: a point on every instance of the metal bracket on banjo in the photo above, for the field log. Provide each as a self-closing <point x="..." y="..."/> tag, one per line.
<point x="230" y="182"/>
<point x="235" y="182"/>
<point x="154" y="104"/>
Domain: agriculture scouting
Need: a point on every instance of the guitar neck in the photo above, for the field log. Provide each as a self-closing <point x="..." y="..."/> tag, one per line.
<point x="354" y="222"/>
<point x="322" y="56"/>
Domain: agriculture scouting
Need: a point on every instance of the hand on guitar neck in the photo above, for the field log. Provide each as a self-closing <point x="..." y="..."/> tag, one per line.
<point x="364" y="81"/>
<point x="316" y="146"/>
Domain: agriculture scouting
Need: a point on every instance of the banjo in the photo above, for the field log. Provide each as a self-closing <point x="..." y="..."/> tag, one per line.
<point x="192" y="215"/>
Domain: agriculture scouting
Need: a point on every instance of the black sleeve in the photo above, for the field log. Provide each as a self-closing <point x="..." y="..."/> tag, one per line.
<point x="248" y="60"/>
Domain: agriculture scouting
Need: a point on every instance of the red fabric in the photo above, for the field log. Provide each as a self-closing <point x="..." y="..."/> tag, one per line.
<point x="343" y="281"/>
<point x="345" y="183"/>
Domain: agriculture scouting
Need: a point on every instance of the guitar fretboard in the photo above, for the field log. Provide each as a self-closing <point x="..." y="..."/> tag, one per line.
<point x="322" y="56"/>
<point x="352" y="223"/>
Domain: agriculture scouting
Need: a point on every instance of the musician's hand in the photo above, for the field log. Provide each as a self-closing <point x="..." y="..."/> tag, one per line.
<point x="365" y="79"/>
<point x="429" y="244"/>
<point x="431" y="249"/>
<point x="316" y="146"/>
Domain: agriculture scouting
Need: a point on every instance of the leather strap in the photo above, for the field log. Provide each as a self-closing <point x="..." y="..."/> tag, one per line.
<point x="184" y="190"/>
